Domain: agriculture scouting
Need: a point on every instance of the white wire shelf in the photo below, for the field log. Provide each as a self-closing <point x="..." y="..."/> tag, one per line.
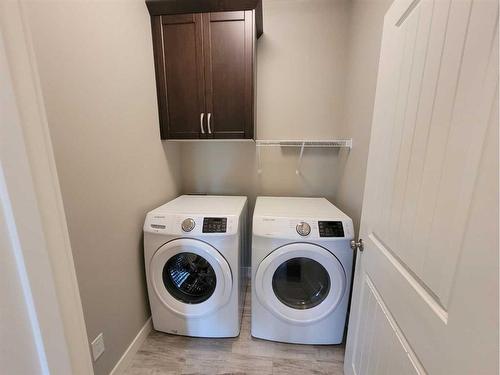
<point x="330" y="143"/>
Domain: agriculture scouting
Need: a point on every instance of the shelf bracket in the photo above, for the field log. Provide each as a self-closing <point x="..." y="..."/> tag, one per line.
<point x="299" y="162"/>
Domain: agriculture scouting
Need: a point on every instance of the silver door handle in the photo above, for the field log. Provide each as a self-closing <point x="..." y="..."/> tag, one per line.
<point x="209" y="117"/>
<point x="201" y="123"/>
<point x="358" y="245"/>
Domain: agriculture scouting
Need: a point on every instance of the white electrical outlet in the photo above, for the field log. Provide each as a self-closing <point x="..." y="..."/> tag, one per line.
<point x="97" y="346"/>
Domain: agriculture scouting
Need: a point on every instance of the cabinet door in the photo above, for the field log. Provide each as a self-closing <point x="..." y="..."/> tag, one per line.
<point x="228" y="39"/>
<point x="179" y="75"/>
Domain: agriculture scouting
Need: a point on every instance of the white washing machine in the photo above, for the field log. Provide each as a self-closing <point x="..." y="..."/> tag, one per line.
<point x="301" y="270"/>
<point x="193" y="251"/>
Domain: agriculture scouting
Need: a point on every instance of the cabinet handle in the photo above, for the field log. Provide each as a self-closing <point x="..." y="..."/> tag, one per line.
<point x="201" y="123"/>
<point x="209" y="117"/>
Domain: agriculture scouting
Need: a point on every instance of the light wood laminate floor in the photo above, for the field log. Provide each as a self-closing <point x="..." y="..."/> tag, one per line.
<point x="168" y="354"/>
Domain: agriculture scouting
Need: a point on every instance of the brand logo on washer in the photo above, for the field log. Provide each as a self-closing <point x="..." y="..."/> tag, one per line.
<point x="268" y="219"/>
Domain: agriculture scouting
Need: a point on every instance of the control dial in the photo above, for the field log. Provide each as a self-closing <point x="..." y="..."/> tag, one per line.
<point x="188" y="225"/>
<point x="303" y="228"/>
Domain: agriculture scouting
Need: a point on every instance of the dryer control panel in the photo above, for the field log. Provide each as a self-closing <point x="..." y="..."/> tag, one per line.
<point x="303" y="228"/>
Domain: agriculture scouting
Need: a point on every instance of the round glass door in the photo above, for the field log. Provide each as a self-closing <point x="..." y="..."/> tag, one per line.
<point x="301" y="283"/>
<point x="189" y="278"/>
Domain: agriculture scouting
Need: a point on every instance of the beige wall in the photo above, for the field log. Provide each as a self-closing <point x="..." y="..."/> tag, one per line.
<point x="301" y="66"/>
<point x="366" y="19"/>
<point x="300" y="83"/>
<point x="96" y="66"/>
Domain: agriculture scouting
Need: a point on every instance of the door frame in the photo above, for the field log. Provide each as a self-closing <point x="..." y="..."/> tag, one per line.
<point x="31" y="202"/>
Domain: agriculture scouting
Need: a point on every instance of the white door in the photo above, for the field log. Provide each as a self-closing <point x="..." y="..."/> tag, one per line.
<point x="190" y="277"/>
<point x="425" y="297"/>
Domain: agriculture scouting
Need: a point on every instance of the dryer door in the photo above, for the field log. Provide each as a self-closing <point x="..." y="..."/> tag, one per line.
<point x="190" y="277"/>
<point x="300" y="282"/>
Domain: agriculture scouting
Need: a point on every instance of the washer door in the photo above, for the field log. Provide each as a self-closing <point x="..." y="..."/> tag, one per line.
<point x="190" y="277"/>
<point x="300" y="282"/>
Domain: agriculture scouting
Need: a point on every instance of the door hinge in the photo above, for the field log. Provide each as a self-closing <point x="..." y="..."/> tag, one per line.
<point x="357" y="245"/>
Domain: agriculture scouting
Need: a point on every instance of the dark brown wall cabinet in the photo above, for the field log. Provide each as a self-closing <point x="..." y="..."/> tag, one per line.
<point x="204" y="66"/>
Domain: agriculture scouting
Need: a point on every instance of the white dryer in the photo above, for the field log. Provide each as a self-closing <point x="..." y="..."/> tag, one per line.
<point x="301" y="270"/>
<point x="193" y="251"/>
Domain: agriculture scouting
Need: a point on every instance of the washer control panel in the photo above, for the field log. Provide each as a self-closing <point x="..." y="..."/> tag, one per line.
<point x="303" y="228"/>
<point x="214" y="224"/>
<point x="330" y="229"/>
<point x="191" y="225"/>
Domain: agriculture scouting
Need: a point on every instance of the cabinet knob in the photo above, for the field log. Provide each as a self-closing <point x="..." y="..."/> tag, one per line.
<point x="209" y="118"/>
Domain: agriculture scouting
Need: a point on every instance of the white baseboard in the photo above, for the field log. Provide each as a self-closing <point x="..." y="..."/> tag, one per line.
<point x="134" y="346"/>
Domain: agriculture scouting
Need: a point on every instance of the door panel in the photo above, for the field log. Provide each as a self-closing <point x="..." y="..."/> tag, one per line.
<point x="183" y="75"/>
<point x="436" y="100"/>
<point x="422" y="124"/>
<point x="228" y="39"/>
<point x="475" y="91"/>
<point x="394" y="355"/>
